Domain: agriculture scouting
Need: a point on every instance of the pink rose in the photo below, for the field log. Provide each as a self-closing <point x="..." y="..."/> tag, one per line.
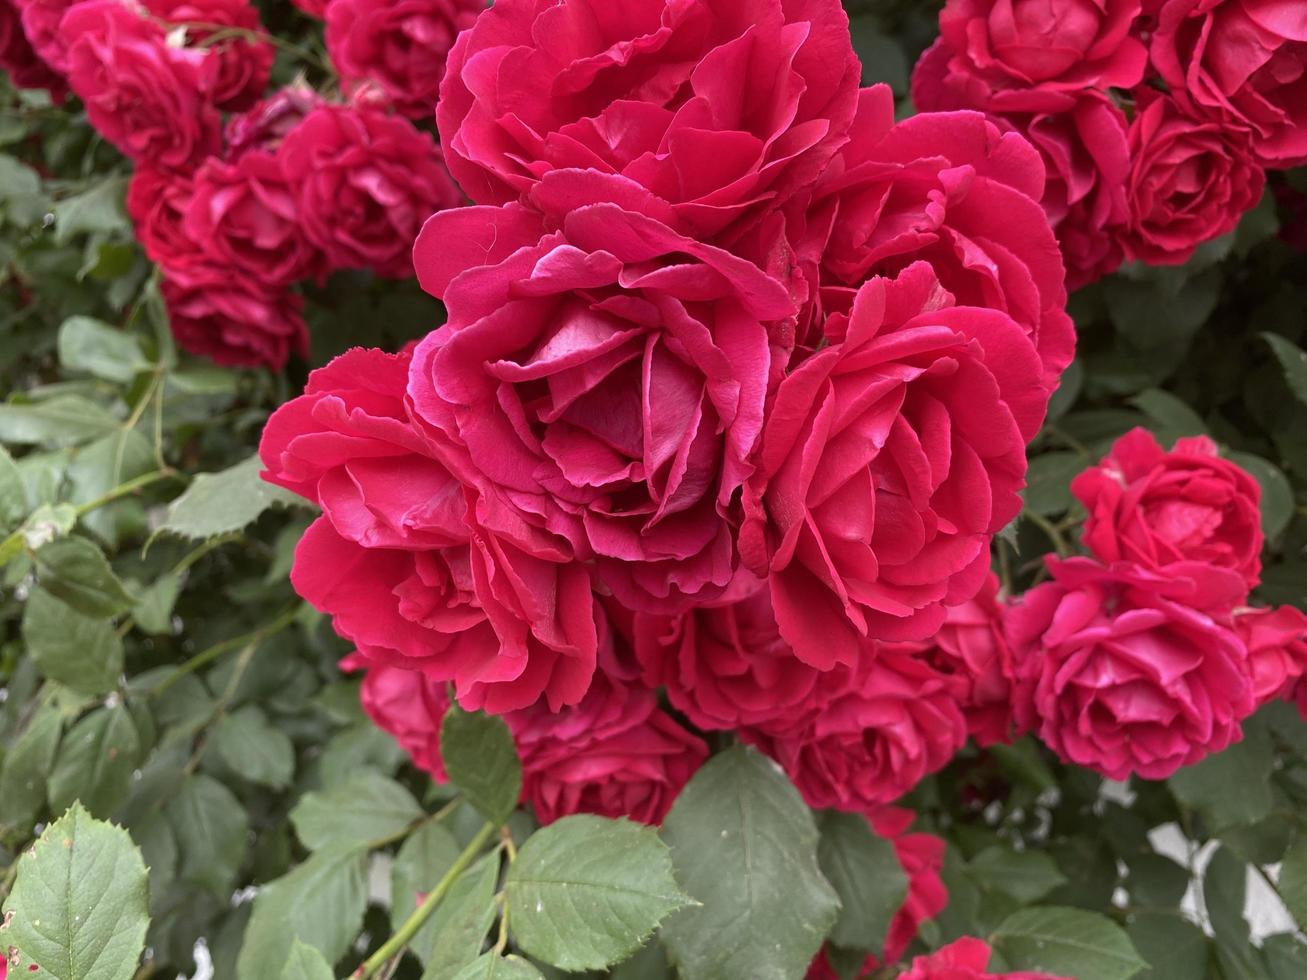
<point x="1154" y="507"/>
<point x="264" y="125"/>
<point x="235" y="69"/>
<point x="26" y="68"/>
<point x="607" y="379"/>
<point x="889" y="460"/>
<point x="725" y="666"/>
<point x="233" y="321"/>
<point x="1190" y="181"/>
<point x="40" y="19"/>
<point x="1241" y="63"/>
<point x="950" y="189"/>
<point x="721" y="110"/>
<point x="407" y="704"/>
<point x="398" y="45"/>
<point x="364" y="183"/>
<point x="143" y="95"/>
<point x="1126" y="670"/>
<point x="157" y="202"/>
<point x="243" y="216"/>
<point x="1031" y="55"/>
<point x="1277" y="649"/>
<point x="883" y="727"/>
<point x="964" y="959"/>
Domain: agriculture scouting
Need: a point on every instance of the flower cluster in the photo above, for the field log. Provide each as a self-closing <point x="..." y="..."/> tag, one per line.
<point x="1156" y="120"/>
<point x="235" y="196"/>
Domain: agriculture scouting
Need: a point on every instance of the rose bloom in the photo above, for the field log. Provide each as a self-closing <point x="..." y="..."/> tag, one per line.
<point x="883" y="728"/>
<point x="26" y="68"/>
<point x="364" y="183"/>
<point x="264" y="125"/>
<point x="1087" y="158"/>
<point x="607" y="379"/>
<point x="157" y="202"/>
<point x="1126" y="670"/>
<point x="889" y="460"/>
<point x="1277" y="649"/>
<point x="1152" y="507"/>
<point x="1190" y="181"/>
<point x="236" y="69"/>
<point x="1241" y="62"/>
<point x="143" y="95"/>
<point x="408" y="705"/>
<point x="721" y="110"/>
<point x="399" y="45"/>
<point x="244" y="216"/>
<point x="40" y="23"/>
<point x="724" y="664"/>
<point x="964" y="959"/>
<point x="950" y="189"/>
<point x="1030" y="55"/>
<point x="233" y="321"/>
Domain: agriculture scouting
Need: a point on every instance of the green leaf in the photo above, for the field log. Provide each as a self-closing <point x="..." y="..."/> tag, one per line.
<point x="98" y="209"/>
<point x="96" y="763"/>
<point x="1048" y="482"/>
<point x="83" y="653"/>
<point x="321" y="903"/>
<point x="1233" y="787"/>
<point x="1286" y="956"/>
<point x="492" y="966"/>
<point x="459" y="925"/>
<point x="78" y="903"/>
<point x="1173" y="417"/>
<point x="211" y="828"/>
<point x="306" y="963"/>
<point x="90" y="345"/>
<point x="366" y="808"/>
<point x="745" y="845"/>
<point x="1174" y="948"/>
<point x="254" y="748"/>
<point x="1067" y="942"/>
<point x="1293" y="360"/>
<point x="26" y="767"/>
<point x="586" y="891"/>
<point x="1225" y="894"/>
<point x="867" y="876"/>
<point x="20" y="192"/>
<point x="1277" y="493"/>
<point x="99" y="467"/>
<point x="425" y="856"/>
<point x="154" y="604"/>
<point x="218" y="503"/>
<point x="64" y="420"/>
<point x="76" y="571"/>
<point x="1293" y="881"/>
<point x="1156" y="880"/>
<point x="13" y="495"/>
<point x="1027" y="876"/>
<point x="481" y="760"/>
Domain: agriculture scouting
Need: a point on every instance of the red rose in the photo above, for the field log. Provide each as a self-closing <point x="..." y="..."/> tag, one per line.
<point x="889" y="460"/>
<point x="1031" y="55"/>
<point x="950" y="189"/>
<point x="156" y="202"/>
<point x="883" y="727"/>
<point x="235" y="69"/>
<point x="607" y="379"/>
<point x="365" y="182"/>
<point x="41" y="19"/>
<point x="400" y="45"/>
<point x="724" y="664"/>
<point x="1087" y="158"/>
<point x="408" y="705"/>
<point x="1190" y="181"/>
<point x="1242" y="63"/>
<point x="1277" y="649"/>
<point x="143" y="95"/>
<point x="964" y="959"/>
<point x="26" y="68"/>
<point x="720" y="109"/>
<point x="1153" y="507"/>
<point x="1125" y="670"/>
<point x="234" y="321"/>
<point x="266" y="124"/>
<point x="243" y="215"/>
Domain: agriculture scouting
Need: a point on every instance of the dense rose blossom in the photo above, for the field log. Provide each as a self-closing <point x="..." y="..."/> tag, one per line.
<point x="1030" y="55"/>
<point x="721" y="110"/>
<point x="26" y="68"/>
<point x="143" y="95"/>
<point x="971" y="648"/>
<point x="607" y="379"/>
<point x="1190" y="181"/>
<point x="883" y="727"/>
<point x="1126" y="670"/>
<point x="236" y="69"/>
<point x="1242" y="63"/>
<point x="232" y="321"/>
<point x="41" y="19"/>
<point x="1277" y="649"/>
<point x="263" y="126"/>
<point x="157" y="202"/>
<point x="725" y="665"/>
<point x="365" y="182"/>
<point x="964" y="959"/>
<point x="888" y="460"/>
<point x="950" y="189"/>
<point x="1152" y="507"/>
<point x="244" y="214"/>
<point x="398" y="45"/>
